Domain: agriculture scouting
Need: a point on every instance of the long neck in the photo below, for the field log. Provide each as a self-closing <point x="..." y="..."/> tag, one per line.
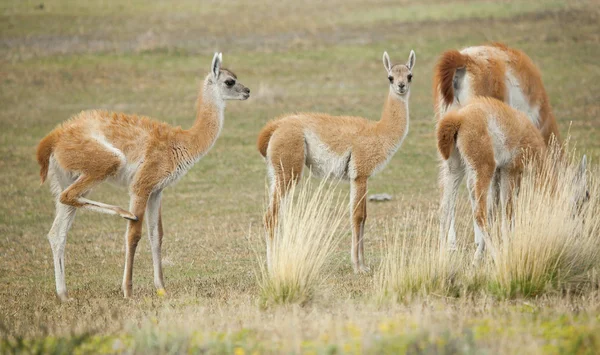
<point x="209" y="120"/>
<point x="394" y="118"/>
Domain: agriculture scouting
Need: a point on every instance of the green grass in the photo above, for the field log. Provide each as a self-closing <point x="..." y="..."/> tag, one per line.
<point x="149" y="58"/>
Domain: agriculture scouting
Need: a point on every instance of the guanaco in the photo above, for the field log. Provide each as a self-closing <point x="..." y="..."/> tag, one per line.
<point x="137" y="152"/>
<point x="338" y="147"/>
<point x="497" y="71"/>
<point x="486" y="140"/>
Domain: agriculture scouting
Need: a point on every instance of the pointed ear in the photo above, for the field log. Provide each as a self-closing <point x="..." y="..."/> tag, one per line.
<point x="411" y="60"/>
<point x="387" y="64"/>
<point x="216" y="65"/>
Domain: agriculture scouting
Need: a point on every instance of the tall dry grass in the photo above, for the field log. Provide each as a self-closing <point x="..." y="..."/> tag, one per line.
<point x="306" y="236"/>
<point x="414" y="263"/>
<point x="552" y="245"/>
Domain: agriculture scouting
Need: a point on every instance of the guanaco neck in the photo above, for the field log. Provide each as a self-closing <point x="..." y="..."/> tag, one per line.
<point x="394" y="118"/>
<point x="209" y="120"/>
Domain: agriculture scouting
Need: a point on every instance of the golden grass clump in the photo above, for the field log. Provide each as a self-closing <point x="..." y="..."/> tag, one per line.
<point x="554" y="242"/>
<point x="306" y="236"/>
<point x="415" y="263"/>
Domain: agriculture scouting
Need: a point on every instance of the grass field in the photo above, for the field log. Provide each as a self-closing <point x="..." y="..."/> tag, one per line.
<point x="149" y="58"/>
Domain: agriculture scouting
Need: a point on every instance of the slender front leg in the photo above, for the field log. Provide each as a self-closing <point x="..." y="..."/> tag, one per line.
<point x="133" y="236"/>
<point x="270" y="221"/>
<point x="361" y="244"/>
<point x="155" y="235"/>
<point x="358" y="211"/>
<point x="451" y="175"/>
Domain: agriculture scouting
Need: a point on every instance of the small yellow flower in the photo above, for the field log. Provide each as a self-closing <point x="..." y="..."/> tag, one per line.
<point x="161" y="292"/>
<point x="353" y="330"/>
<point x="238" y="351"/>
<point x="384" y="327"/>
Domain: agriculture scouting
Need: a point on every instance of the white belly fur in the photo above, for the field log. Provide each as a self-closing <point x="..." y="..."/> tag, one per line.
<point x="322" y="161"/>
<point x="127" y="170"/>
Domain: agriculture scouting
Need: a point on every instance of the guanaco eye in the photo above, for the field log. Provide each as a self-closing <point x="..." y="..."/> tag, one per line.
<point x="229" y="82"/>
<point x="409" y="77"/>
<point x="391" y="79"/>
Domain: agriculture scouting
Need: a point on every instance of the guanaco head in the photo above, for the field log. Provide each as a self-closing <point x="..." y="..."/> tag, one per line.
<point x="399" y="75"/>
<point x="226" y="82"/>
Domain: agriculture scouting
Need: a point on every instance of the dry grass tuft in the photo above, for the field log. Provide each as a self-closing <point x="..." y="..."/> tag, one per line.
<point x="306" y="236"/>
<point x="415" y="264"/>
<point x="553" y="245"/>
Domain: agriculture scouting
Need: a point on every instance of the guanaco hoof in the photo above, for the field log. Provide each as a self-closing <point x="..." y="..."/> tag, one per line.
<point x="64" y="298"/>
<point x="129" y="216"/>
<point x="363" y="269"/>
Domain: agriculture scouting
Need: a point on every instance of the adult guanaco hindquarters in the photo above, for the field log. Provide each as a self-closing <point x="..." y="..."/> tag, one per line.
<point x="137" y="152"/>
<point x="497" y="71"/>
<point x="488" y="140"/>
<point x="339" y="147"/>
<point x="493" y="70"/>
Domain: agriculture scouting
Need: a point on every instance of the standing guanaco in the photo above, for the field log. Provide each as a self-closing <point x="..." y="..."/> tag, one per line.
<point x="339" y="147"/>
<point x="492" y="70"/>
<point x="137" y="152"/>
<point x="488" y="140"/>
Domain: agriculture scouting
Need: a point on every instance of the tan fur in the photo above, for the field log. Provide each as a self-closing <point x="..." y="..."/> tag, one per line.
<point x="446" y="67"/>
<point x="489" y="138"/>
<point x="135" y="151"/>
<point x="44" y="151"/>
<point x="487" y="67"/>
<point x="446" y="134"/>
<point x="265" y="136"/>
<point x="352" y="148"/>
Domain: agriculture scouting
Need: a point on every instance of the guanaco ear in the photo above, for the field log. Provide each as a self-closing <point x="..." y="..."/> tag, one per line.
<point x="216" y="64"/>
<point x="387" y="64"/>
<point x="411" y="60"/>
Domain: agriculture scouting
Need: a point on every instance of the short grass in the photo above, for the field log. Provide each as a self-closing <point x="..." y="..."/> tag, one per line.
<point x="149" y="57"/>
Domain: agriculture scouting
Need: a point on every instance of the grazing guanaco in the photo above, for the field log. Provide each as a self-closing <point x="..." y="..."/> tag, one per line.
<point x="339" y="147"/>
<point x="493" y="70"/>
<point x="137" y="152"/>
<point x="488" y="140"/>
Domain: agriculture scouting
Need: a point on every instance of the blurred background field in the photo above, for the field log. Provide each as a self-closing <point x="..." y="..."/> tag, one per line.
<point x="60" y="57"/>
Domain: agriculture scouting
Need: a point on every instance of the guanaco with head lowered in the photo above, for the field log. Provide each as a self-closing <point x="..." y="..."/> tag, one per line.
<point x="137" y="152"/>
<point x="488" y="140"/>
<point x="339" y="147"/>
<point x="496" y="71"/>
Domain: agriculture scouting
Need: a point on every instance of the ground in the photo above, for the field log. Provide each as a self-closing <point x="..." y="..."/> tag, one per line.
<point x="58" y="58"/>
